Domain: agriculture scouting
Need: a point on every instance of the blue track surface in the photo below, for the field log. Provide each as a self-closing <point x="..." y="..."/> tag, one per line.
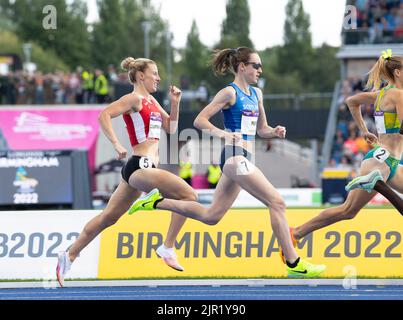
<point x="322" y="292"/>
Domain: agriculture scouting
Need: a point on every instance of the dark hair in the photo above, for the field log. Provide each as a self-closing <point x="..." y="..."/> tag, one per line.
<point x="229" y="59"/>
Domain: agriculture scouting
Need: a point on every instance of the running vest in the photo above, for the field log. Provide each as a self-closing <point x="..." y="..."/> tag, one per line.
<point x="242" y="116"/>
<point x="386" y="121"/>
<point x="101" y="85"/>
<point x="214" y="174"/>
<point x="144" y="124"/>
<point x="185" y="169"/>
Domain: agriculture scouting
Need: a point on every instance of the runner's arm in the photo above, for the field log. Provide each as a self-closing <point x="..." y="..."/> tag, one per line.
<point x="398" y="100"/>
<point x="170" y="121"/>
<point x="263" y="129"/>
<point x="354" y="102"/>
<point x="202" y="122"/>
<point x="115" y="109"/>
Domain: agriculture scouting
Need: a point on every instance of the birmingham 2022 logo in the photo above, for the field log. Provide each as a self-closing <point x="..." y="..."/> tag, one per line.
<point x="25" y="187"/>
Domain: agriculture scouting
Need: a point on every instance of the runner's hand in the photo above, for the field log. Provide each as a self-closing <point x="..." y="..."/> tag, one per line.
<point x="175" y="94"/>
<point x="233" y="137"/>
<point x="280" y="132"/>
<point x="122" y="152"/>
<point x="370" y="138"/>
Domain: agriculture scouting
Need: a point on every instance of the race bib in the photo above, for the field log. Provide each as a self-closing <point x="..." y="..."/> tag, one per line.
<point x="381" y="154"/>
<point x="244" y="167"/>
<point x="380" y="121"/>
<point x="154" y="131"/>
<point x="145" y="163"/>
<point x="249" y="122"/>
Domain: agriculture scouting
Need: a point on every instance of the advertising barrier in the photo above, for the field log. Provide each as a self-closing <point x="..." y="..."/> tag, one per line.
<point x="293" y="197"/>
<point x="30" y="241"/>
<point x="51" y="128"/>
<point x="241" y="245"/>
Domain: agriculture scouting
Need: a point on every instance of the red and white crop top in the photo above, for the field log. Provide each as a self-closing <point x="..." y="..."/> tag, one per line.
<point x="144" y="124"/>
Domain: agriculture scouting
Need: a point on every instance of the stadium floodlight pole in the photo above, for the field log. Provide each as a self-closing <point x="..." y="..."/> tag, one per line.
<point x="168" y="37"/>
<point x="27" y="47"/>
<point x="146" y="25"/>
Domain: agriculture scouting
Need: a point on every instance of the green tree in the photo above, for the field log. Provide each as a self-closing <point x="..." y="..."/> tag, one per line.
<point x="119" y="33"/>
<point x="277" y="81"/>
<point x="46" y="60"/>
<point x="70" y="39"/>
<point x="133" y="15"/>
<point x="77" y="36"/>
<point x="195" y="56"/>
<point x="5" y="21"/>
<point x="234" y="33"/>
<point x="109" y="33"/>
<point x="235" y="27"/>
<point x="297" y="52"/>
<point x="325" y="68"/>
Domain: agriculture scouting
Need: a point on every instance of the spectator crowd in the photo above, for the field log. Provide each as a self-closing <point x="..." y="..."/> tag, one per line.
<point x="380" y="21"/>
<point x="78" y="87"/>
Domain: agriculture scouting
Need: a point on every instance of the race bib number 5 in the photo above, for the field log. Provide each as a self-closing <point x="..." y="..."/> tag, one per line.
<point x="381" y="154"/>
<point x="249" y="122"/>
<point x="145" y="163"/>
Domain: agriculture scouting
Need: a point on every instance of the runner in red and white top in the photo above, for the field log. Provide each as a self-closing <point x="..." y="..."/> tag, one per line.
<point x="144" y="124"/>
<point x="144" y="118"/>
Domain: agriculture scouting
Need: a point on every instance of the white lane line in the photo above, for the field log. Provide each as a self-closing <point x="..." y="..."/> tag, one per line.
<point x="60" y="291"/>
<point x="202" y="282"/>
<point x="219" y="297"/>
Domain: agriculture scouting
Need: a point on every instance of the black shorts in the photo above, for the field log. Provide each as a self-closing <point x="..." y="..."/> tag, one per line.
<point x="135" y="163"/>
<point x="232" y="151"/>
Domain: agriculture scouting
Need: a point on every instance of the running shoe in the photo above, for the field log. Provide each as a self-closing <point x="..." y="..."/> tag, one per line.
<point x="146" y="202"/>
<point x="169" y="257"/>
<point x="63" y="266"/>
<point x="366" y="182"/>
<point x="294" y="243"/>
<point x="305" y="269"/>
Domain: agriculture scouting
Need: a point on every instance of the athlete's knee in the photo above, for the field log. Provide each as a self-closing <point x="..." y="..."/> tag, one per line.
<point x="349" y="211"/>
<point x="214" y="216"/>
<point x="190" y="196"/>
<point x="212" y="221"/>
<point x="107" y="221"/>
<point x="277" y="205"/>
<point x="184" y="195"/>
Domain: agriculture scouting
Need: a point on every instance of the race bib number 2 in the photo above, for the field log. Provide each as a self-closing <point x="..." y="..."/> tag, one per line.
<point x="381" y="154"/>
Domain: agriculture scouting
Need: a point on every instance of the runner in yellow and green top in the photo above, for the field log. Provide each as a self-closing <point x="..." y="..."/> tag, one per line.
<point x="380" y="168"/>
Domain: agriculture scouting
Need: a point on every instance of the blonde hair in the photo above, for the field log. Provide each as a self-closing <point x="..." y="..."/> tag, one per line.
<point x="383" y="70"/>
<point x="229" y="59"/>
<point x="132" y="65"/>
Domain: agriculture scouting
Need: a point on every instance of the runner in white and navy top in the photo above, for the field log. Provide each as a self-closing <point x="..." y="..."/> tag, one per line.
<point x="244" y="117"/>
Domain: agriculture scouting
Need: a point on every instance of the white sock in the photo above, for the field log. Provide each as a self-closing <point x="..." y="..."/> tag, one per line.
<point x="166" y="248"/>
<point x="68" y="258"/>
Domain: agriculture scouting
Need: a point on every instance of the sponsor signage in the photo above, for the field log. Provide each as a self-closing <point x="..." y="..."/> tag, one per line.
<point x="35" y="178"/>
<point x="242" y="244"/>
<point x="30" y="241"/>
